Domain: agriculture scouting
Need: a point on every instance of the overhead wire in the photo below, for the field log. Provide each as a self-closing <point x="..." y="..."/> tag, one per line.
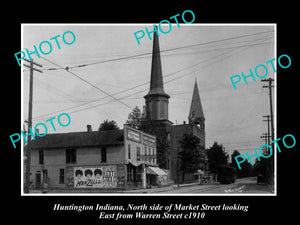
<point x="68" y="108"/>
<point x="166" y="50"/>
<point x="137" y="92"/>
<point x="139" y="85"/>
<point x="116" y="99"/>
<point x="176" y="71"/>
<point x="89" y="83"/>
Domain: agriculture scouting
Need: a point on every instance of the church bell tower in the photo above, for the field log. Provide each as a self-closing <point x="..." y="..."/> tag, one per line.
<point x="156" y="121"/>
<point x="157" y="100"/>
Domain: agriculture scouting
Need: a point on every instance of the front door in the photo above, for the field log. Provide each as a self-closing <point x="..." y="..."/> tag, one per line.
<point x="38" y="180"/>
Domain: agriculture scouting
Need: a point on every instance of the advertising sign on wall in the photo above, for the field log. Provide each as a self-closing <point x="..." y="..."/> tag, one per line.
<point x="150" y="141"/>
<point x="133" y="135"/>
<point x="95" y="177"/>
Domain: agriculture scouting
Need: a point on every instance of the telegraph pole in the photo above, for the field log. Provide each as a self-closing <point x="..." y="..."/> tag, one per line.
<point x="268" y="120"/>
<point x="270" y="163"/>
<point x="28" y="152"/>
<point x="266" y="138"/>
<point x="270" y="80"/>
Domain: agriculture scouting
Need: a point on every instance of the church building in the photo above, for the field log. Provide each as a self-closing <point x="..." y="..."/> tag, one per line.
<point x="157" y="104"/>
<point x="156" y="121"/>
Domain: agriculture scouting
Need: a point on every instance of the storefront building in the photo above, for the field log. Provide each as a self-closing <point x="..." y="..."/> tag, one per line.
<point x="98" y="160"/>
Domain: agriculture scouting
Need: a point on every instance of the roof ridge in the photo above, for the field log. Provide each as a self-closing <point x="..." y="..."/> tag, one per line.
<point x="96" y="131"/>
<point x="79" y="139"/>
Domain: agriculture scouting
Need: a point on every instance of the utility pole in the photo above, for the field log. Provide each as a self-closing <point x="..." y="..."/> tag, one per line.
<point x="268" y="120"/>
<point x="28" y="152"/>
<point x="270" y="163"/>
<point x="266" y="137"/>
<point x="270" y="80"/>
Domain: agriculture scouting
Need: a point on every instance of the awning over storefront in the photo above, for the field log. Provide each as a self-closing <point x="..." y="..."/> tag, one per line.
<point x="155" y="171"/>
<point x="132" y="162"/>
<point x="139" y="163"/>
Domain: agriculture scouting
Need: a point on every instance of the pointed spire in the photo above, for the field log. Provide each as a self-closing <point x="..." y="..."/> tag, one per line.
<point x="196" y="112"/>
<point x="156" y="83"/>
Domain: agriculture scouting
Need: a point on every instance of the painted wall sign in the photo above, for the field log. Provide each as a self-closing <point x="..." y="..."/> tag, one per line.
<point x="95" y="177"/>
<point x="133" y="135"/>
<point x="149" y="141"/>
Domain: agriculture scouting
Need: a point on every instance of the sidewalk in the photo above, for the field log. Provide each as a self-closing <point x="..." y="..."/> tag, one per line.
<point x="147" y="190"/>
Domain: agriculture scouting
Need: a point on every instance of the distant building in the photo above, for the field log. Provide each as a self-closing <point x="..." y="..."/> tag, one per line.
<point x="156" y="121"/>
<point x="115" y="159"/>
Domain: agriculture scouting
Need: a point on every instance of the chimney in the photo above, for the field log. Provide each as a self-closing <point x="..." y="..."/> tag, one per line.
<point x="89" y="128"/>
<point x="184" y="122"/>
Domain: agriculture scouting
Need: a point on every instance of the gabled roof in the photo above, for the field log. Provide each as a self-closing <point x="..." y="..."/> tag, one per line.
<point x="79" y="139"/>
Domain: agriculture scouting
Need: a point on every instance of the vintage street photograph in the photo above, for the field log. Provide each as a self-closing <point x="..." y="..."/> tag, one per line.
<point x="148" y="109"/>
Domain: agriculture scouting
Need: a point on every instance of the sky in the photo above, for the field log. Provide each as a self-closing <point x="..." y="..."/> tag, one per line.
<point x="209" y="53"/>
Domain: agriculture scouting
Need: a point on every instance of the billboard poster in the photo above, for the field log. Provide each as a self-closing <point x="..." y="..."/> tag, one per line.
<point x="95" y="177"/>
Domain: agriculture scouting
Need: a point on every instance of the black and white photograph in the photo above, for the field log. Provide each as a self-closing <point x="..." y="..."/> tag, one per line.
<point x="162" y="109"/>
<point x="147" y="113"/>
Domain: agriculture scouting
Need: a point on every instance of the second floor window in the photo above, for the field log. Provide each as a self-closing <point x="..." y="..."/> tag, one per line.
<point x="70" y="155"/>
<point x="103" y="155"/>
<point x="138" y="153"/>
<point x="41" y="157"/>
<point x="129" y="153"/>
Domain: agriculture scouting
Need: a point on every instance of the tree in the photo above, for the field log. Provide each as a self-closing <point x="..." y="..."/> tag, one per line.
<point x="162" y="150"/>
<point x="192" y="154"/>
<point x="260" y="167"/>
<point x="216" y="157"/>
<point x="233" y="161"/>
<point x="134" y="118"/>
<point x="108" y="125"/>
<point x="246" y="168"/>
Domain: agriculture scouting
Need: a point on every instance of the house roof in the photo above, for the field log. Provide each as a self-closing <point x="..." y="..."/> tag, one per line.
<point x="79" y="139"/>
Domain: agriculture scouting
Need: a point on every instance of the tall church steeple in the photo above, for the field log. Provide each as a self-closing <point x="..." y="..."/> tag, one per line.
<point x="196" y="115"/>
<point x="156" y="99"/>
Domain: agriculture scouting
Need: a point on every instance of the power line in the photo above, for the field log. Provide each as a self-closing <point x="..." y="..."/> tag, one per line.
<point x="170" y="74"/>
<point x="66" y="69"/>
<point x="166" y="82"/>
<point x="210" y="63"/>
<point x="182" y="69"/>
<point x="166" y="50"/>
<point x="139" y="85"/>
<point x="28" y="150"/>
